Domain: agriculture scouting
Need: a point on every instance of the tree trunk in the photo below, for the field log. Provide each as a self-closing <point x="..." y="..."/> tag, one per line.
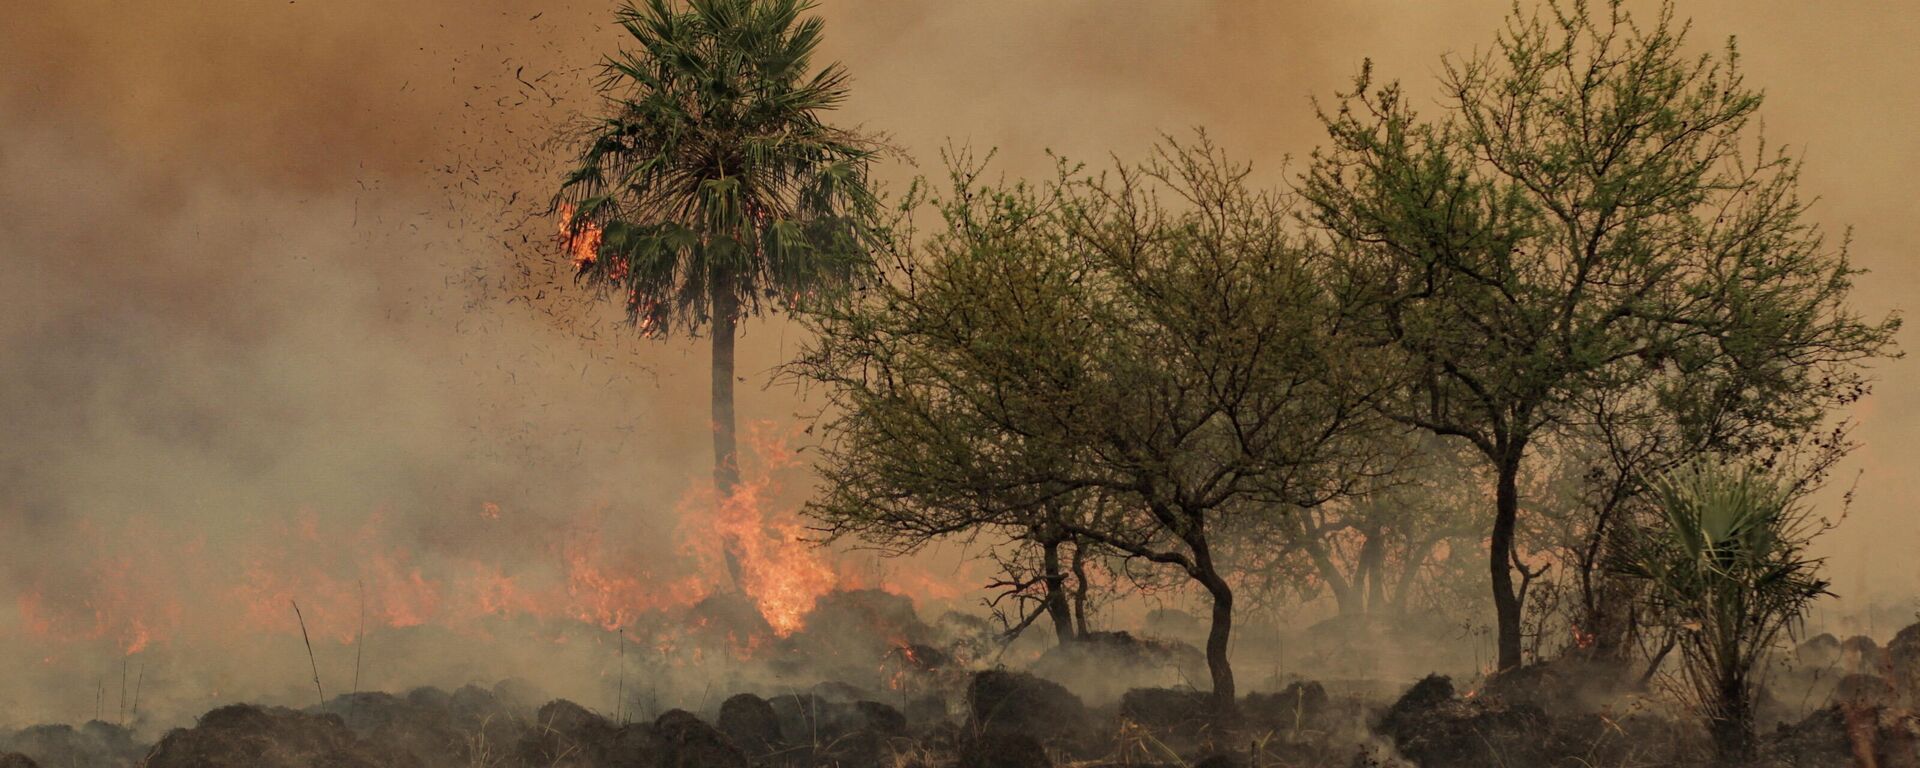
<point x="1346" y="594"/>
<point x="1221" y="631"/>
<point x="1506" y="602"/>
<point x="1348" y="602"/>
<point x="1079" y="589"/>
<point x="1218" y="635"/>
<point x="1606" y="601"/>
<point x="1056" y="581"/>
<point x="726" y="459"/>
<point x="1611" y="616"/>
<point x="1731" y="722"/>
<point x="1373" y="556"/>
<point x="1409" y="570"/>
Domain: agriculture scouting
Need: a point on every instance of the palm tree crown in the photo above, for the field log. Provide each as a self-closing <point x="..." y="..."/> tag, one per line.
<point x="714" y="185"/>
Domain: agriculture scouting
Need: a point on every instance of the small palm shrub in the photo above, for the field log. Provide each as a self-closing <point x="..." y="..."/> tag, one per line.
<point x="1728" y="566"/>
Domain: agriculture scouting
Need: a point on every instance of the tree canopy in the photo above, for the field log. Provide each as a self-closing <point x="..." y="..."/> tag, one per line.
<point x="1593" y="211"/>
<point x="1145" y="350"/>
<point x="714" y="184"/>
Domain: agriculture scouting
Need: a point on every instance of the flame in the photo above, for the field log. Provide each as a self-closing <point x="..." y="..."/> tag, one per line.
<point x="1582" y="639"/>
<point x="582" y="240"/>
<point x="354" y="575"/>
<point x="782" y="572"/>
<point x="613" y="599"/>
<point x="338" y="579"/>
<point x="117" y="603"/>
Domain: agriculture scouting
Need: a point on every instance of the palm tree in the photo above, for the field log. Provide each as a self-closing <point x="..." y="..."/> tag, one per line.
<point x="713" y="190"/>
<point x="1729" y="569"/>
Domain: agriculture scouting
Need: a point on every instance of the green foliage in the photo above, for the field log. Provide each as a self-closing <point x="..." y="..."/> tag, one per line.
<point x="1591" y="210"/>
<point x="1140" y="358"/>
<point x="1591" y="235"/>
<point x="714" y="184"/>
<point x="1086" y="337"/>
<point x="1729" y="567"/>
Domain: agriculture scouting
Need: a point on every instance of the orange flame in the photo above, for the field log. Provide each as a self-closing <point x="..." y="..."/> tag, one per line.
<point x="780" y="570"/>
<point x="354" y="574"/>
<point x="583" y="240"/>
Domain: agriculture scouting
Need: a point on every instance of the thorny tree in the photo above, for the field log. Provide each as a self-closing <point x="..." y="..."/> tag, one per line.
<point x="1591" y="211"/>
<point x="714" y="188"/>
<point x="1144" y="350"/>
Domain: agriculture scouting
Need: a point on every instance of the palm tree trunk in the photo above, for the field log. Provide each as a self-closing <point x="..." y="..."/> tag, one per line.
<point x="1731" y="721"/>
<point x="726" y="459"/>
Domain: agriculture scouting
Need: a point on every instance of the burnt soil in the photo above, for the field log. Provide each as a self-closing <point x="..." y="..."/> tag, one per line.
<point x="1545" y="715"/>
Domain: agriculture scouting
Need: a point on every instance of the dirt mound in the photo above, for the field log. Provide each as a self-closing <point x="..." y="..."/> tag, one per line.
<point x="428" y="733"/>
<point x="850" y="634"/>
<point x="1299" y="705"/>
<point x="431" y="726"/>
<point x="800" y="715"/>
<point x="1818" y="652"/>
<point x="566" y="735"/>
<point x="727" y="618"/>
<point x="1000" y="701"/>
<point x="1423" y="698"/>
<point x="1817" y="741"/>
<point x="750" y="723"/>
<point x="1177" y="710"/>
<point x="247" y="736"/>
<point x="1432" y="727"/>
<point x="1562" y="686"/>
<point x="814" y="716"/>
<point x="689" y="742"/>
<point x="878" y="717"/>
<point x="919" y="668"/>
<point x="94" y="744"/>
<point x="1861" y="655"/>
<point x="1857" y="690"/>
<point x="1368" y="645"/>
<point x="1003" y="750"/>
<point x="822" y="730"/>
<point x="1903" y="664"/>
<point x="1838" y="736"/>
<point x="926" y="710"/>
<point x="17" y="760"/>
<point x="1103" y="665"/>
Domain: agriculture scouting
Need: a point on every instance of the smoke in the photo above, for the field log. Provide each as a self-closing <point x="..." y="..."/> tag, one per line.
<point x="281" y="317"/>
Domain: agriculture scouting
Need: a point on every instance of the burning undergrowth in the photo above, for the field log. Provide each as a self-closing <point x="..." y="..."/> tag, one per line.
<point x="394" y="598"/>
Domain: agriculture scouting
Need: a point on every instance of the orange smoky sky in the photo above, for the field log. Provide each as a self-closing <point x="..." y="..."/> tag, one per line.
<point x="262" y="256"/>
